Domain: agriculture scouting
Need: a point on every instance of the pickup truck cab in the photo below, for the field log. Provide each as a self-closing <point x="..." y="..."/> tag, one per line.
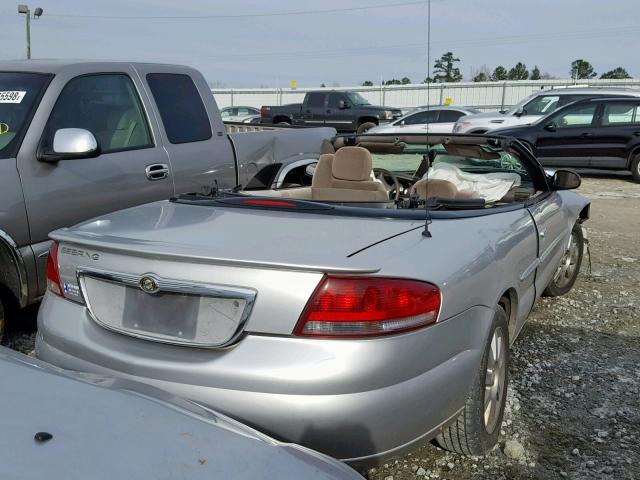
<point x="346" y="111"/>
<point x="81" y="139"/>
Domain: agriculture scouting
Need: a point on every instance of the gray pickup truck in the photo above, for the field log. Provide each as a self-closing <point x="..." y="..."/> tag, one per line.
<point x="80" y="139"/>
<point x="345" y="111"/>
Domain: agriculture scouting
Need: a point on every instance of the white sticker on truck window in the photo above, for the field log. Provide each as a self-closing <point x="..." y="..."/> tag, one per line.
<point x="12" y="96"/>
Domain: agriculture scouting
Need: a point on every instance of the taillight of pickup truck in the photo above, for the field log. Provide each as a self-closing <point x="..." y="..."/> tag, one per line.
<point x="264" y="111"/>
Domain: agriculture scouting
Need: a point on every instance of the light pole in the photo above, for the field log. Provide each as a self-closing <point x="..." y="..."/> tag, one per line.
<point x="24" y="9"/>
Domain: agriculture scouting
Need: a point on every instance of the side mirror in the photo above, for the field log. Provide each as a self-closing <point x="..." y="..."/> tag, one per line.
<point x="519" y="112"/>
<point x="565" y="180"/>
<point x="550" y="127"/>
<point x="71" y="144"/>
<point x="342" y="105"/>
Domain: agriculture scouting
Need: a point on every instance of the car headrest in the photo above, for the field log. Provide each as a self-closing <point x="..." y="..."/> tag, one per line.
<point x="322" y="175"/>
<point x="352" y="163"/>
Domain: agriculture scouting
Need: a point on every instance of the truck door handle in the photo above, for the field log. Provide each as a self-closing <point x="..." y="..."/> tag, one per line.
<point x="157" y="171"/>
<point x="308" y="111"/>
<point x="328" y="111"/>
<point x="586" y="134"/>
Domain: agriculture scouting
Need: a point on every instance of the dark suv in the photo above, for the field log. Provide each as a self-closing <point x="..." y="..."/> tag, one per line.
<point x="599" y="133"/>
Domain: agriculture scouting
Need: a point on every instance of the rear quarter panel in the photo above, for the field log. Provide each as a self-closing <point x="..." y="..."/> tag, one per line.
<point x="473" y="261"/>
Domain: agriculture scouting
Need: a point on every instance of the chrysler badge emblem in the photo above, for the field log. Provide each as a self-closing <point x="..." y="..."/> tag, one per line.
<point x="148" y="285"/>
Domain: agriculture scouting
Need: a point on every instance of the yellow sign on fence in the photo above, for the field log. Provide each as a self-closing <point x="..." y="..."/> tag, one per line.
<point x="293" y="83"/>
<point x="448" y="101"/>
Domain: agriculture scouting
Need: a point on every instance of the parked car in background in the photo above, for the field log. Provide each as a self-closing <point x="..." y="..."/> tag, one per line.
<point x="346" y="111"/>
<point x="601" y="133"/>
<point x="435" y="119"/>
<point x="329" y="316"/>
<point x="61" y="425"/>
<point x="534" y="107"/>
<point x="239" y="114"/>
<point x="79" y="139"/>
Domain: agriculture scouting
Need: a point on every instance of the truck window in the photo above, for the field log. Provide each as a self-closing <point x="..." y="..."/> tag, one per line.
<point x="19" y="97"/>
<point x="181" y="108"/>
<point x="105" y="104"/>
<point x="315" y="100"/>
<point x="334" y="100"/>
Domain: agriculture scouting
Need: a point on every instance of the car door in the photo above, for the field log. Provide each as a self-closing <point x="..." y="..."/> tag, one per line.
<point x="200" y="153"/>
<point x="67" y="192"/>
<point x="419" y="122"/>
<point x="566" y="138"/>
<point x="617" y="131"/>
<point x="446" y="120"/>
<point x="313" y="109"/>
<point x="336" y="117"/>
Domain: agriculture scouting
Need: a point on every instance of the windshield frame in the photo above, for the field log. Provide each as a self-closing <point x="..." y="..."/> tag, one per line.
<point x="12" y="148"/>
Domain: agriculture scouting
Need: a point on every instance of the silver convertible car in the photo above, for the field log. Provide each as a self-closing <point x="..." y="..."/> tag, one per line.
<point x="359" y="315"/>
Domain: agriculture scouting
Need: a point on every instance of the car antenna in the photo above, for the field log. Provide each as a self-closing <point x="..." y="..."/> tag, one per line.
<point x="427" y="220"/>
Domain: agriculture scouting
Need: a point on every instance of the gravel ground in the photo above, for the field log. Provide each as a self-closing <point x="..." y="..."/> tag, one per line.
<point x="574" y="399"/>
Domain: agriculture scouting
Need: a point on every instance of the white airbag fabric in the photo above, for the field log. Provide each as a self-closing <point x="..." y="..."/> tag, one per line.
<point x="490" y="186"/>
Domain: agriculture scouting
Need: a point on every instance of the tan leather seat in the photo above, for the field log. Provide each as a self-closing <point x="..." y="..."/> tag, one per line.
<point x="346" y="177"/>
<point x="438" y="188"/>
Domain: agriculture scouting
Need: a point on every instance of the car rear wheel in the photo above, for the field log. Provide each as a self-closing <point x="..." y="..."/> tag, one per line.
<point x="475" y="431"/>
<point x="635" y="168"/>
<point x="567" y="272"/>
<point x="362" y="128"/>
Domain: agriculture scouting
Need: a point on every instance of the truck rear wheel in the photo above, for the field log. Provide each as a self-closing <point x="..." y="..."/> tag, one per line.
<point x="363" y="127"/>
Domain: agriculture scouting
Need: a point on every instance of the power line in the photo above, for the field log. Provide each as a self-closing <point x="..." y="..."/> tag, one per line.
<point x="242" y="15"/>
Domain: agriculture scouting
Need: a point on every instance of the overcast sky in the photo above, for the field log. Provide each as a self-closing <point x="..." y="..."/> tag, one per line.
<point x="345" y="47"/>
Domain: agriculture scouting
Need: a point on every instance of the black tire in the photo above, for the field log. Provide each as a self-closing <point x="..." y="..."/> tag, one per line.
<point x="363" y="127"/>
<point x="284" y="124"/>
<point x="560" y="285"/>
<point x="469" y="433"/>
<point x="635" y="168"/>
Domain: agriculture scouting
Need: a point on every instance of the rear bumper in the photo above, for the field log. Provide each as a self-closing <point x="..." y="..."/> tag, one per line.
<point x="360" y="401"/>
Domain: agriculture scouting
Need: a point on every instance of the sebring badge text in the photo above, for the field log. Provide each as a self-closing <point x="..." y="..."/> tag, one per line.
<point x="79" y="253"/>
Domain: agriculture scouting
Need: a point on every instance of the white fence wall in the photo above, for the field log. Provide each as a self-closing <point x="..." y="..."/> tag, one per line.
<point x="482" y="95"/>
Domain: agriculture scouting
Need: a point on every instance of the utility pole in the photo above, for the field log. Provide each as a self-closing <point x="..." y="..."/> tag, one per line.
<point x="24" y="10"/>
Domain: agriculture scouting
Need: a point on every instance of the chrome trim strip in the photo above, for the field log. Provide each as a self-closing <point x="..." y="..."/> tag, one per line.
<point x="14" y="252"/>
<point x="173" y="286"/>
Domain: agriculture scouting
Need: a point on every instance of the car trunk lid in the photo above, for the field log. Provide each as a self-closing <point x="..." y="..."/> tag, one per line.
<point x="201" y="275"/>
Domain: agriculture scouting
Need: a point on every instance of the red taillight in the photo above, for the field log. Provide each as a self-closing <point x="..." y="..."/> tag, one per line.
<point x="53" y="274"/>
<point x="352" y="307"/>
<point x="263" y="111"/>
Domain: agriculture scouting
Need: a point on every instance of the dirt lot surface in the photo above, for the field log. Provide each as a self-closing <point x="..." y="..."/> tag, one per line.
<point x="574" y="399"/>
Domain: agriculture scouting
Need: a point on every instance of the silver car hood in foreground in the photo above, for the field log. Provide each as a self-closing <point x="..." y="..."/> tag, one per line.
<point x="102" y="430"/>
<point x="239" y="236"/>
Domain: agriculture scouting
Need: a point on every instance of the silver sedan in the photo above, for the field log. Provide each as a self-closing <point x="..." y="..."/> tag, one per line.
<point x="434" y="119"/>
<point x="349" y="318"/>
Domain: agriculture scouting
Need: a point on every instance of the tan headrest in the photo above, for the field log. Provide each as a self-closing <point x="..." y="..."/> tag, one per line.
<point x="352" y="163"/>
<point x="435" y="188"/>
<point x="322" y="176"/>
